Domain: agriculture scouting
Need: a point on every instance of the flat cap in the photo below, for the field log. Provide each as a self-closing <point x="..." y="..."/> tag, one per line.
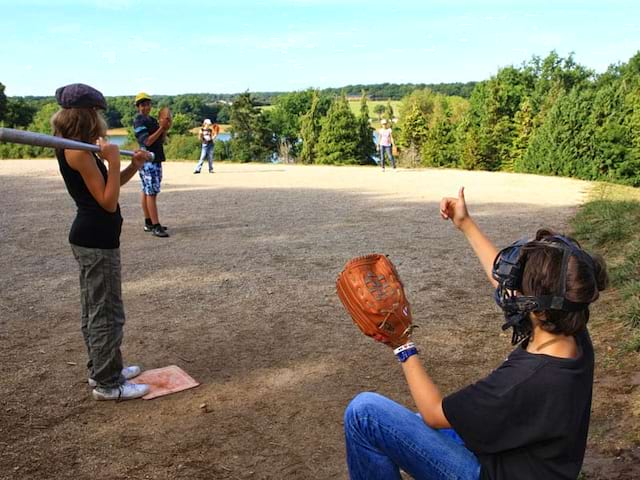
<point x="79" y="95"/>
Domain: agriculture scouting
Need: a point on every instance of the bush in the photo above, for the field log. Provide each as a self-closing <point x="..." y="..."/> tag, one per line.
<point x="12" y="150"/>
<point x="182" y="147"/>
<point x="222" y="150"/>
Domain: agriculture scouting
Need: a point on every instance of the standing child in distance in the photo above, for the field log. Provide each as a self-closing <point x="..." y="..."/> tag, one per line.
<point x="207" y="135"/>
<point x="150" y="136"/>
<point x="529" y="418"/>
<point x="385" y="143"/>
<point x="95" y="236"/>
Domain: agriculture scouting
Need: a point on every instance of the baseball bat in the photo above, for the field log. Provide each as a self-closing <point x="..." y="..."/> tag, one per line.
<point x="25" y="137"/>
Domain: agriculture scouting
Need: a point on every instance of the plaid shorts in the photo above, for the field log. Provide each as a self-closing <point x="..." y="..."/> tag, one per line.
<point x="150" y="177"/>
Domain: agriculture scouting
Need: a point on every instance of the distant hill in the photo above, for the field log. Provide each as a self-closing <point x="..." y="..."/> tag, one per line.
<point x="395" y="91"/>
<point x="377" y="91"/>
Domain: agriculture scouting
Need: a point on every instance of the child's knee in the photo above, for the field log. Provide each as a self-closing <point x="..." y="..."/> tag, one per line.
<point x="365" y="403"/>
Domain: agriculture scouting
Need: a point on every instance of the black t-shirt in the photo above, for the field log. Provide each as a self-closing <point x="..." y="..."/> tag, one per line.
<point x="529" y="418"/>
<point x="143" y="127"/>
<point x="93" y="227"/>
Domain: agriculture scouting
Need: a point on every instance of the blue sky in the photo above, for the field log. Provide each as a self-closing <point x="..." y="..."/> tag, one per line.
<point x="187" y="46"/>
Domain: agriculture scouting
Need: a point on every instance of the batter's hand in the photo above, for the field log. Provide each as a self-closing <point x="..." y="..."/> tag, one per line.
<point x="455" y="209"/>
<point x="109" y="151"/>
<point x="139" y="157"/>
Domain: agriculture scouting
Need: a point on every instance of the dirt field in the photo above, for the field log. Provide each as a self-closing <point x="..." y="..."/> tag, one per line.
<point x="242" y="297"/>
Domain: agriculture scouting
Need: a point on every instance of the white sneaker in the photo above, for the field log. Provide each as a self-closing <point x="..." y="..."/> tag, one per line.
<point x="128" y="373"/>
<point x="126" y="391"/>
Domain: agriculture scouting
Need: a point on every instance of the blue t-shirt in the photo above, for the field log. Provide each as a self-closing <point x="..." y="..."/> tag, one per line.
<point x="143" y="127"/>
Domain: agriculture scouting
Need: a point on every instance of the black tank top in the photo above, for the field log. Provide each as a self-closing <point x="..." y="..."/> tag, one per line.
<point x="93" y="226"/>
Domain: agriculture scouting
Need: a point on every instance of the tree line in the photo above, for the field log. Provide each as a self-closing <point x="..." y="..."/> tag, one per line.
<point x="19" y="112"/>
<point x="548" y="115"/>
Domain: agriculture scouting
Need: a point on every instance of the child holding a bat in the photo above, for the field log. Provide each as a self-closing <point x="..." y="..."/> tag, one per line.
<point x="529" y="418"/>
<point x="95" y="236"/>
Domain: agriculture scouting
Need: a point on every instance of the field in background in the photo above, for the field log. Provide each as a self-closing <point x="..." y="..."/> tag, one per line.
<point x="354" y="104"/>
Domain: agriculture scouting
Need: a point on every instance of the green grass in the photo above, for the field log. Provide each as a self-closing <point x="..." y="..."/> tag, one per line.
<point x="355" y="107"/>
<point x="609" y="224"/>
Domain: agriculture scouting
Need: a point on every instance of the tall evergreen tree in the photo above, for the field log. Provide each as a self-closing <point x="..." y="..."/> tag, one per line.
<point x="310" y="127"/>
<point x="339" y="138"/>
<point x="389" y="113"/>
<point x="439" y="149"/>
<point x="366" y="146"/>
<point x="251" y="139"/>
<point x="414" y="128"/>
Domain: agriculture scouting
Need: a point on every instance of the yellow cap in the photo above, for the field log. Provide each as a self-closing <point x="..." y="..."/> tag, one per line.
<point x="141" y="97"/>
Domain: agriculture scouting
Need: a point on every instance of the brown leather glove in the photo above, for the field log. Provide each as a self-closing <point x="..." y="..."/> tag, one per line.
<point x="372" y="293"/>
<point x="165" y="120"/>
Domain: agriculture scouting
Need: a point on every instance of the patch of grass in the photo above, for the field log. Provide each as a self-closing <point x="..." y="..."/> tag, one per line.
<point x="354" y="104"/>
<point x="609" y="224"/>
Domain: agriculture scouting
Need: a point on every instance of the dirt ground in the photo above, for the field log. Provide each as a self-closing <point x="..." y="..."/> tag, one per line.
<point x="242" y="297"/>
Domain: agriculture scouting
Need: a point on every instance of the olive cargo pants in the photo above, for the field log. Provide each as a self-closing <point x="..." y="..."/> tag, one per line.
<point x="102" y="312"/>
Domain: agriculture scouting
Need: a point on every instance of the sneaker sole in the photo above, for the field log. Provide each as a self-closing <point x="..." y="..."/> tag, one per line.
<point x="98" y="397"/>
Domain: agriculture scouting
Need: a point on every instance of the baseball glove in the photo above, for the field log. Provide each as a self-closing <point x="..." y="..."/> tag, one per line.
<point x="372" y="293"/>
<point x="164" y="115"/>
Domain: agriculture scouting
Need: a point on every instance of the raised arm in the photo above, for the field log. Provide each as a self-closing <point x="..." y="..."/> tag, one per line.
<point x="151" y="139"/>
<point x="455" y="209"/>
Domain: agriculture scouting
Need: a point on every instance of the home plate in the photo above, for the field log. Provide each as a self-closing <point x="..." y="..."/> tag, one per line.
<point x="164" y="381"/>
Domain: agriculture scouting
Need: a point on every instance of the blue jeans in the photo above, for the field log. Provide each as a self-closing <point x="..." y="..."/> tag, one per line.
<point x="388" y="149"/>
<point x="207" y="152"/>
<point x="383" y="436"/>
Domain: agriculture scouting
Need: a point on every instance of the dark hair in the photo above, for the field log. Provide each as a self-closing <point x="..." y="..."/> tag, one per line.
<point x="586" y="277"/>
<point x="82" y="124"/>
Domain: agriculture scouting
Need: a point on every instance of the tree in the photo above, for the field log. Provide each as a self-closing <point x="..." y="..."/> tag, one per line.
<point x="310" y="128"/>
<point x="19" y="112"/>
<point x="284" y="120"/>
<point x="439" y="148"/>
<point x="181" y="124"/>
<point x="42" y="120"/>
<point x="339" y="137"/>
<point x="224" y="114"/>
<point x="379" y="109"/>
<point x="414" y="128"/>
<point x="416" y="110"/>
<point x="366" y="147"/>
<point x="251" y="139"/>
<point x="3" y="103"/>
<point x="389" y="111"/>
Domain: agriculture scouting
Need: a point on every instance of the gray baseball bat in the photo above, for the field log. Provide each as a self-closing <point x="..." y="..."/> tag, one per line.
<point x="25" y="137"/>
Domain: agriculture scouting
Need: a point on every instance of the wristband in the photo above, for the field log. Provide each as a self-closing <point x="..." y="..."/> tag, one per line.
<point x="404" y="347"/>
<point x="405" y="354"/>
